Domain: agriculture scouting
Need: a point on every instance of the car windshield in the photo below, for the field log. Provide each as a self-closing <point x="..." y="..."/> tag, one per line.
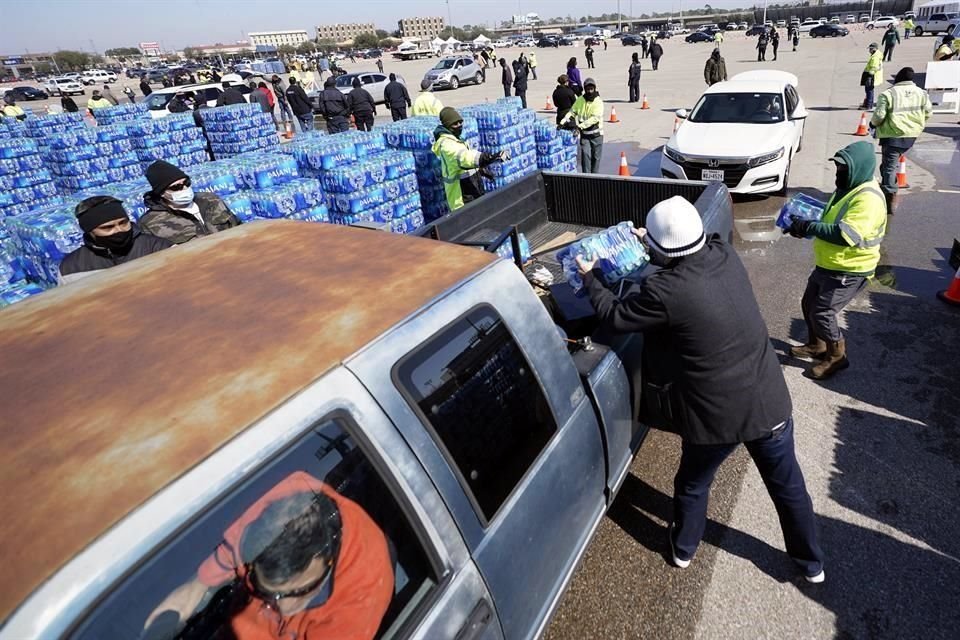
<point x="346" y="80"/>
<point x="756" y="108"/>
<point x="158" y="101"/>
<point x="445" y="64"/>
<point x="63" y="80"/>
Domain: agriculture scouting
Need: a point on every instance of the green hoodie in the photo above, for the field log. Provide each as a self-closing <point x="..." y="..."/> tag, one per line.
<point x="861" y="163"/>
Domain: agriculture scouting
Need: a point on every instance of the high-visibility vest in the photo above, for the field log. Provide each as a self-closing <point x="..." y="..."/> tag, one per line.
<point x="587" y="115"/>
<point x="902" y="111"/>
<point x="457" y="160"/>
<point x="862" y="216"/>
<point x="13" y="111"/>
<point x="875" y="66"/>
<point x="98" y="103"/>
<point x="426" y="104"/>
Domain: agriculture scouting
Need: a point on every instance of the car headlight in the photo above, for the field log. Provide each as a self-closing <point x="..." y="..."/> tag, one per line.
<point x="756" y="161"/>
<point x="673" y="155"/>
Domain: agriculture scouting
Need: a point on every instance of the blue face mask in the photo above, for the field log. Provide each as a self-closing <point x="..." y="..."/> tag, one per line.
<point x="181" y="198"/>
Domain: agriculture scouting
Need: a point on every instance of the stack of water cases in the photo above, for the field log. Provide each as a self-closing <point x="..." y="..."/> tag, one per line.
<point x="275" y="189"/>
<point x="239" y="128"/>
<point x="130" y="193"/>
<point x="175" y="139"/>
<point x="617" y="250"/>
<point x="416" y="135"/>
<point x="25" y="183"/>
<point x="122" y="113"/>
<point x="506" y="129"/>
<point x="556" y="148"/>
<point x="226" y="179"/>
<point x="362" y="179"/>
<point x="43" y="238"/>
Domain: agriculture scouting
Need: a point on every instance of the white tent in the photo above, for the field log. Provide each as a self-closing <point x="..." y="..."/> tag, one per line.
<point x="438" y="42"/>
<point x="452" y="40"/>
<point x="481" y="39"/>
<point x="406" y="45"/>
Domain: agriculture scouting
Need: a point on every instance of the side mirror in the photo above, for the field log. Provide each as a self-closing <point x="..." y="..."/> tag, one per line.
<point x="682" y="114"/>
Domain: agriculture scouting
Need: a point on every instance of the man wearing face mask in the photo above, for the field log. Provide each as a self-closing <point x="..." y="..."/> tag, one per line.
<point x="586" y="116"/>
<point x="109" y="239"/>
<point x="458" y="162"/>
<point x="727" y="387"/>
<point x="175" y="212"/>
<point x="846" y="251"/>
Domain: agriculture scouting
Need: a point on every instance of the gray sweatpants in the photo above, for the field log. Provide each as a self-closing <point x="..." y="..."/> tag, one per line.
<point x="890" y="161"/>
<point x="590" y="151"/>
<point x="826" y="295"/>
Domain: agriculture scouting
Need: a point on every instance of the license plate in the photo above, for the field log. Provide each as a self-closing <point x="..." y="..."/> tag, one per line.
<point x="712" y="174"/>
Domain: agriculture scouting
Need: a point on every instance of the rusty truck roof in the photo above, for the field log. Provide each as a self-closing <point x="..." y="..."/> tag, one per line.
<point x="165" y="359"/>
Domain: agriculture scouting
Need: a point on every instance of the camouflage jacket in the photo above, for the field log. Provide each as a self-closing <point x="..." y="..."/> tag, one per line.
<point x="178" y="226"/>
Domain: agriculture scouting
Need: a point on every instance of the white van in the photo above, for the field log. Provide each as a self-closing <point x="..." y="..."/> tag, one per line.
<point x="97" y="76"/>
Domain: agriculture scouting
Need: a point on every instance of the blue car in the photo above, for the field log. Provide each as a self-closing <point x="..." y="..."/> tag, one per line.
<point x="699" y="36"/>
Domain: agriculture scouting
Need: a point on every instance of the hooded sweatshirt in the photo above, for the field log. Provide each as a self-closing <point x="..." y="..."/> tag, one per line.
<point x="90" y="257"/>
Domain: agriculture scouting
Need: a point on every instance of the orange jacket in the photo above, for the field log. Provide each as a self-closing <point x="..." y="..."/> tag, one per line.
<point x="362" y="582"/>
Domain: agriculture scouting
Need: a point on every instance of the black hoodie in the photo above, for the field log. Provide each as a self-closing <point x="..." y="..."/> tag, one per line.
<point x="90" y="257"/>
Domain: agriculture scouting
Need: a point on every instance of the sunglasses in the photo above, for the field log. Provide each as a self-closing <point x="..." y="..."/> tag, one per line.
<point x="179" y="186"/>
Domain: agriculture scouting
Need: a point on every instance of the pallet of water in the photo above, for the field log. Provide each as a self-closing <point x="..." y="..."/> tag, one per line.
<point x="25" y="183"/>
<point x="239" y="128"/>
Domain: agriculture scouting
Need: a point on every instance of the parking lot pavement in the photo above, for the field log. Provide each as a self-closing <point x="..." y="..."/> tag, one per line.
<point x="878" y="443"/>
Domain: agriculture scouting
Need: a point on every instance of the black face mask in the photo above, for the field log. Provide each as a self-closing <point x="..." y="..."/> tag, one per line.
<point x="456" y="129"/>
<point x="843" y="177"/>
<point x="589" y="96"/>
<point x="119" y="242"/>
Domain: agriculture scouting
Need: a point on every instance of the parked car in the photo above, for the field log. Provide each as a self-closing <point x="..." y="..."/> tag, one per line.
<point x="883" y="22"/>
<point x="781" y="23"/>
<point x="373" y="81"/>
<point x="936" y="23"/>
<point x="743" y="26"/>
<point x="850" y="19"/>
<point x="835" y="20"/>
<point x="664" y="35"/>
<point x="447" y="437"/>
<point x="756" y="30"/>
<point x="548" y="41"/>
<point x="63" y="86"/>
<point x="743" y="132"/>
<point x="158" y="102"/>
<point x="499" y="44"/>
<point x="631" y="41"/>
<point x="97" y="76"/>
<point x="828" y="31"/>
<point x="806" y="25"/>
<point x="133" y="72"/>
<point x="529" y="42"/>
<point x="731" y="26"/>
<point x="864" y="18"/>
<point x="453" y="71"/>
<point x="699" y="36"/>
<point x="26" y="93"/>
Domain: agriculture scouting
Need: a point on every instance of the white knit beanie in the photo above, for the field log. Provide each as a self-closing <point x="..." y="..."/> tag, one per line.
<point x="674" y="228"/>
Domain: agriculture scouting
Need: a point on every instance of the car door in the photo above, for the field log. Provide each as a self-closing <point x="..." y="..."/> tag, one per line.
<point x="482" y="388"/>
<point x="375" y="83"/>
<point x="796" y="112"/>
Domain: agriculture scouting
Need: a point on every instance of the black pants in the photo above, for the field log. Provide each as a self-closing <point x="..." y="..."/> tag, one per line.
<point x="888" y="52"/>
<point x="483" y="72"/>
<point x="338" y="124"/>
<point x="590" y="63"/>
<point x="471" y="188"/>
<point x="506" y="91"/>
<point x="523" y="98"/>
<point x="776" y="461"/>
<point x="399" y="113"/>
<point x="775" y="47"/>
<point x="826" y="295"/>
<point x="655" y="62"/>
<point x="761" y="54"/>
<point x="364" y="121"/>
<point x="533" y="71"/>
<point x="645" y="53"/>
<point x="634" y="86"/>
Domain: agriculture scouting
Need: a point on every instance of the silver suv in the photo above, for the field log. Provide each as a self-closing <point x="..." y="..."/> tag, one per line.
<point x="453" y="71"/>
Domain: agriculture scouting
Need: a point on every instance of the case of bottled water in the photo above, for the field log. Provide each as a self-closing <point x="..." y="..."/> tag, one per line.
<point x="18" y="147"/>
<point x="397" y="163"/>
<point x="122" y="113"/>
<point x="319" y="213"/>
<point x="505" y="250"/>
<point x="13" y="293"/>
<point x="800" y="207"/>
<point x="282" y="200"/>
<point x="393" y="189"/>
<point x="366" y="143"/>
<point x="214" y="178"/>
<point x="408" y="223"/>
<point x="520" y="164"/>
<point x="240" y="204"/>
<point x="618" y="251"/>
<point x="11" y="128"/>
<point x="358" y="201"/>
<point x="22" y="163"/>
<point x="354" y="177"/>
<point x="260" y="170"/>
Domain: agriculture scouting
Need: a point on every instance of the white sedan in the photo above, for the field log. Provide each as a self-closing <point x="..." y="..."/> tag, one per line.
<point x="806" y="25"/>
<point x="883" y="22"/>
<point x="743" y="132"/>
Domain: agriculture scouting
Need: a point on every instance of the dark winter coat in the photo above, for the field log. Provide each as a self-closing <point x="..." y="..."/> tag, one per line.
<point x="520" y="79"/>
<point x="715" y="70"/>
<point x="361" y="102"/>
<point x="506" y="77"/>
<point x="299" y="102"/>
<point x="728" y="385"/>
<point x="178" y="226"/>
<point x="90" y="257"/>
<point x="230" y="96"/>
<point x="563" y="99"/>
<point x="633" y="73"/>
<point x="334" y="103"/>
<point x="656" y="51"/>
<point x="395" y="95"/>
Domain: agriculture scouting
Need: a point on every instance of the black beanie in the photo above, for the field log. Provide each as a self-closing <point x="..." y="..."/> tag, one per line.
<point x="98" y="210"/>
<point x="449" y="116"/>
<point x="162" y="174"/>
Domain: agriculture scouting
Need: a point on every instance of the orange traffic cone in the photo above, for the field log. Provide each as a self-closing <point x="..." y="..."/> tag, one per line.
<point x="952" y="294"/>
<point x="862" y="127"/>
<point x="288" y="129"/>
<point x="613" y="115"/>
<point x="676" y="123"/>
<point x="624" y="169"/>
<point x="902" y="173"/>
<point x="549" y="105"/>
<point x="645" y="104"/>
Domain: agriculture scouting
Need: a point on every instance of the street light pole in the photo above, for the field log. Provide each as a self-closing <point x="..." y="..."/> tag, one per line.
<point x="871" y="9"/>
<point x="449" y="19"/>
<point x="619" y="18"/>
<point x="764" y="11"/>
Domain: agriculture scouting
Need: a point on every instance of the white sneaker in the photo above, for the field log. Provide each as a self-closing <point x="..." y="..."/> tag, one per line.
<point x="682" y="564"/>
<point x="817" y="579"/>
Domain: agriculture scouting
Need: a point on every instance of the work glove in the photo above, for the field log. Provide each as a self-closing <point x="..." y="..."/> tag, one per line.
<point x="799" y="228"/>
<point x="490" y="158"/>
<point x="486" y="173"/>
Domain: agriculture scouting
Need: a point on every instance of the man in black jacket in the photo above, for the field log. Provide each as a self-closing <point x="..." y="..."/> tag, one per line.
<point x="728" y="386"/>
<point x="230" y="95"/>
<point x="300" y="104"/>
<point x="334" y="107"/>
<point x="563" y="97"/>
<point x="506" y="78"/>
<point x="145" y="86"/>
<point x="109" y="239"/>
<point x="396" y="97"/>
<point x="520" y="81"/>
<point x="633" y="77"/>
<point x="362" y="106"/>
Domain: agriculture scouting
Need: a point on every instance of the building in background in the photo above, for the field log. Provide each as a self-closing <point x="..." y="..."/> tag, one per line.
<point x="212" y="50"/>
<point x="19" y="67"/>
<point x="150" y="49"/>
<point x="344" y="32"/>
<point x="421" y="27"/>
<point x="293" y="38"/>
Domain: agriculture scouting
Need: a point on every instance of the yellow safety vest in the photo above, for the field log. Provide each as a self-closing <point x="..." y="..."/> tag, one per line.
<point x="942" y="52"/>
<point x="718" y="37"/>
<point x="875" y="66"/>
<point x="862" y="217"/>
<point x="13" y="111"/>
<point x="588" y="116"/>
<point x="457" y="160"/>
<point x="902" y="111"/>
<point x="98" y="104"/>
<point x="533" y="61"/>
<point x="426" y="104"/>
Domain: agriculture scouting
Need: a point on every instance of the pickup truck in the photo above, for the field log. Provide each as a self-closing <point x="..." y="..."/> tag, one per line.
<point x="935" y="23"/>
<point x="383" y="436"/>
<point x="414" y="54"/>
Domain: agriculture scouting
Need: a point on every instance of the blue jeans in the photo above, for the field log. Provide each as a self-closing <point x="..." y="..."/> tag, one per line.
<point x="868" y="97"/>
<point x="777" y="463"/>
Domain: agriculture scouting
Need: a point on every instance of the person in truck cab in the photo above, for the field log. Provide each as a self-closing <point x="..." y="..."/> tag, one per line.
<point x="302" y="562"/>
<point x="728" y="388"/>
<point x="175" y="212"/>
